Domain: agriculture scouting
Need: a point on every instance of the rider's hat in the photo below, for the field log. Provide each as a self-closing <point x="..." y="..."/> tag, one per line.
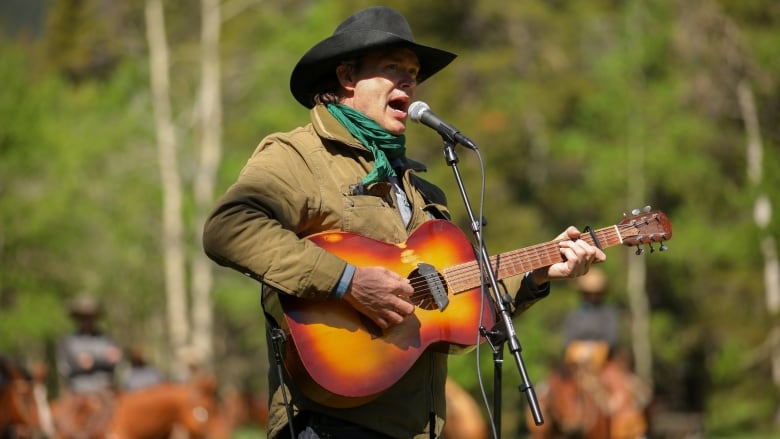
<point x="84" y="305"/>
<point x="593" y="282"/>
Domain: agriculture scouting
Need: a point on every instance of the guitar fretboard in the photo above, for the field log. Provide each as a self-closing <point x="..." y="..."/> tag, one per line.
<point x="466" y="276"/>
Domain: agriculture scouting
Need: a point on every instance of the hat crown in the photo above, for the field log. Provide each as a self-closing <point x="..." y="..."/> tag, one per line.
<point x="379" y="18"/>
<point x="84" y="305"/>
<point x="593" y="282"/>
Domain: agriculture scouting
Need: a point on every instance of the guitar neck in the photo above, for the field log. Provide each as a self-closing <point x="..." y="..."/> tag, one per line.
<point x="466" y="276"/>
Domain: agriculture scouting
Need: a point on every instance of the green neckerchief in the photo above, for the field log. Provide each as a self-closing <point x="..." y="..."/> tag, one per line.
<point x="384" y="145"/>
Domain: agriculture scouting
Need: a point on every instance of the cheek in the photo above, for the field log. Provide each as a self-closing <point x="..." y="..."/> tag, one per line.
<point x="370" y="102"/>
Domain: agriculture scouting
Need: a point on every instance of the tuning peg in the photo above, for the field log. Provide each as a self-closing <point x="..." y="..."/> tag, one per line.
<point x="639" y="251"/>
<point x="663" y="247"/>
<point x="652" y="249"/>
<point x="647" y="209"/>
<point x="635" y="212"/>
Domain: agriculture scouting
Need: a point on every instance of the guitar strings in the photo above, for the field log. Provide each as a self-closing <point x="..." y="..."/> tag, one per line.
<point x="461" y="277"/>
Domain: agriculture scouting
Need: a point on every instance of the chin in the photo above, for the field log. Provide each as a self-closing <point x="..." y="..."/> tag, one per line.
<point x="396" y="129"/>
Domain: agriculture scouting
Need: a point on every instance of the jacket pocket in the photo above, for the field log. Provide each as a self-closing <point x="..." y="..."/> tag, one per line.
<point x="373" y="217"/>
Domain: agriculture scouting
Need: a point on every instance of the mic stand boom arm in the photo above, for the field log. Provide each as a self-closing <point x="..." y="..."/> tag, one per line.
<point x="496" y="336"/>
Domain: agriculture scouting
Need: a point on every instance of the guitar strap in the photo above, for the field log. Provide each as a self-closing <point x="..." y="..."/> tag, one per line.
<point x="276" y="337"/>
<point x="436" y="201"/>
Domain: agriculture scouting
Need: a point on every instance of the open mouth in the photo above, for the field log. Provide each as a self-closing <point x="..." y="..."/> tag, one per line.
<point x="399" y="104"/>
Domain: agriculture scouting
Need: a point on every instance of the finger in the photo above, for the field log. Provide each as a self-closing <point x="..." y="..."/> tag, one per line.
<point x="584" y="250"/>
<point x="592" y="253"/>
<point x="572" y="251"/>
<point x="393" y="318"/>
<point x="405" y="308"/>
<point x="573" y="233"/>
<point x="381" y="322"/>
<point x="576" y="262"/>
<point x="405" y="288"/>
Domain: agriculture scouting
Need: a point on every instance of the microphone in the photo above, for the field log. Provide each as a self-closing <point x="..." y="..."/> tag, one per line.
<point x="420" y="112"/>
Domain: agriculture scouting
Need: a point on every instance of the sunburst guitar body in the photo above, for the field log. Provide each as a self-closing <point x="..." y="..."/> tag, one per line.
<point x="340" y="358"/>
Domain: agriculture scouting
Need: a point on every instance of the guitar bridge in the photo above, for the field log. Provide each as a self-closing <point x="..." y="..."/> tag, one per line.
<point x="435" y="288"/>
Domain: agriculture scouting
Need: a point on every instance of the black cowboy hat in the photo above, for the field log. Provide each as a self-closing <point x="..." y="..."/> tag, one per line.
<point x="370" y="28"/>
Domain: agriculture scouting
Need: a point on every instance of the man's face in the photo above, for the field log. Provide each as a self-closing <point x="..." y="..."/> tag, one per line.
<point x="383" y="86"/>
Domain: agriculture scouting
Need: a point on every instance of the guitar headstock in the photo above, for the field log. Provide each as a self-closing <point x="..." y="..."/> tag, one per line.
<point x="646" y="227"/>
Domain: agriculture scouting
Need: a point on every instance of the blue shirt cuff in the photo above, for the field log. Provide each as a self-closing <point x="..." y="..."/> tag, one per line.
<point x="344" y="281"/>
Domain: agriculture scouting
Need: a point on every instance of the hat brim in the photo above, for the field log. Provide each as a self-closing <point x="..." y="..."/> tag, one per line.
<point x="320" y="62"/>
<point x="84" y="313"/>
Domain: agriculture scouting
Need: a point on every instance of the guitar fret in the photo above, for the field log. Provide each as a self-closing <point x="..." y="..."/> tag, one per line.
<point x="617" y="233"/>
<point x="539" y="258"/>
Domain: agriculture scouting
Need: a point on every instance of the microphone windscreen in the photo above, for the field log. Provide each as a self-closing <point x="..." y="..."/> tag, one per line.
<point x="417" y="109"/>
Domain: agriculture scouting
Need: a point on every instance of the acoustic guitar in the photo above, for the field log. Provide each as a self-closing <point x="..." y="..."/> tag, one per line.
<point x="340" y="358"/>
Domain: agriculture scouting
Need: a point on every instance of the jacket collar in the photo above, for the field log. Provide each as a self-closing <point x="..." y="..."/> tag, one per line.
<point x="327" y="127"/>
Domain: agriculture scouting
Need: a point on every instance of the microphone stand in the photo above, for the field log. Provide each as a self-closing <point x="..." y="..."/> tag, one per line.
<point x="499" y="334"/>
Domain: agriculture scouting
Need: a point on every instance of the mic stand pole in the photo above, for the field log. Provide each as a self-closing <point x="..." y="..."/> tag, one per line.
<point x="495" y="336"/>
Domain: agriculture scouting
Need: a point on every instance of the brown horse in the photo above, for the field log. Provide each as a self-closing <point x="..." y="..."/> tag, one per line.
<point x="19" y="402"/>
<point x="587" y="400"/>
<point x="245" y="408"/>
<point x="629" y="398"/>
<point x="568" y="410"/>
<point x="157" y="412"/>
<point x="465" y="419"/>
<point x="83" y="415"/>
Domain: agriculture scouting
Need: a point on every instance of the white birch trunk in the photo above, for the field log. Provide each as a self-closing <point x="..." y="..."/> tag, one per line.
<point x="210" y="152"/>
<point x="636" y="285"/>
<point x="763" y="217"/>
<point x="640" y="318"/>
<point x="172" y="231"/>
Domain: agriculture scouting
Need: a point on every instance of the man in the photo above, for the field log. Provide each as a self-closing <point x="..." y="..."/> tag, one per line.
<point x="347" y="170"/>
<point x="86" y="360"/>
<point x="141" y="374"/>
<point x="600" y="362"/>
<point x="591" y="331"/>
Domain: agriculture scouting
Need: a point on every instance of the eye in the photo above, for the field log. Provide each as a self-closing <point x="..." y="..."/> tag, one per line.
<point x="400" y="68"/>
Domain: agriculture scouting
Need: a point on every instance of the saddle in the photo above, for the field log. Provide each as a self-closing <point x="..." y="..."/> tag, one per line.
<point x="618" y="393"/>
<point x="589" y="355"/>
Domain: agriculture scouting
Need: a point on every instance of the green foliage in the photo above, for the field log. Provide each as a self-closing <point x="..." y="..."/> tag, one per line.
<point x="582" y="111"/>
<point x="77" y="188"/>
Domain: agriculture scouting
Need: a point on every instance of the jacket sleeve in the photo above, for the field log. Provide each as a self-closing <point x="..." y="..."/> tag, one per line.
<point x="524" y="292"/>
<point x="257" y="227"/>
<point x="529" y="294"/>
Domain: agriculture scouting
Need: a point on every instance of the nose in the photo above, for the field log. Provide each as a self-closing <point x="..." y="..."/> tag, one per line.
<point x="408" y="82"/>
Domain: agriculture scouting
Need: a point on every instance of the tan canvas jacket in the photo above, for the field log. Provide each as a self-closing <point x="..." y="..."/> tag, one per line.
<point x="307" y="181"/>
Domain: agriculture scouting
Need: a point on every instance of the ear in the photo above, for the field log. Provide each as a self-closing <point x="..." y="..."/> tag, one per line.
<point x="345" y="75"/>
